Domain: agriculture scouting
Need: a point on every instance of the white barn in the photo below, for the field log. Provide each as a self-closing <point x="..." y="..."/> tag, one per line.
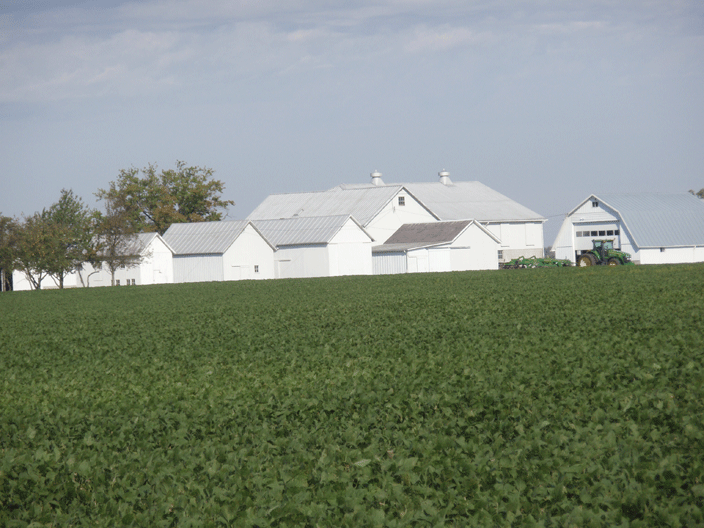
<point x="219" y="251"/>
<point x="380" y="210"/>
<point x="653" y="228"/>
<point x="154" y="267"/>
<point x="323" y="246"/>
<point x="438" y="246"/>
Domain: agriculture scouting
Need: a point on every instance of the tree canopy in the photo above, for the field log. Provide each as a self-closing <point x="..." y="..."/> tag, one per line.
<point x="152" y="200"/>
<point x="699" y="193"/>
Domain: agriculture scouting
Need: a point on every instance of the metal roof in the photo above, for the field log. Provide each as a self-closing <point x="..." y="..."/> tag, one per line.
<point x="203" y="238"/>
<point x="461" y="200"/>
<point x="659" y="220"/>
<point x="136" y="244"/>
<point x="302" y="230"/>
<point x="363" y="204"/>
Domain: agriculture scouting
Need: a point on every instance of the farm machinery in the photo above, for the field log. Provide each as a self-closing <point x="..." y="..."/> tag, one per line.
<point x="603" y="253"/>
<point x="535" y="262"/>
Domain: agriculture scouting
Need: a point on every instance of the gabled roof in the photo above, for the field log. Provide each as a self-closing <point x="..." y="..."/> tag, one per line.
<point x="138" y="243"/>
<point x="361" y="203"/>
<point x="204" y="238"/>
<point x="460" y="200"/>
<point x="302" y="230"/>
<point x="658" y="220"/>
<point x="414" y="236"/>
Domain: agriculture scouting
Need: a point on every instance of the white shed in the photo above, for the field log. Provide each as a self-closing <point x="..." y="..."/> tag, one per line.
<point x="322" y="246"/>
<point x="219" y="251"/>
<point x="438" y="246"/>
<point x="654" y="228"/>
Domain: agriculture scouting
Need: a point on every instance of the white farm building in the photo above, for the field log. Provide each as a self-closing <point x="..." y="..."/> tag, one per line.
<point x="219" y="251"/>
<point x="381" y="209"/>
<point x="653" y="228"/>
<point x="322" y="246"/>
<point x="437" y="246"/>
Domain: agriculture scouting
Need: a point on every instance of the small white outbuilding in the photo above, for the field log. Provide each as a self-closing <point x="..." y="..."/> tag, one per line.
<point x="321" y="246"/>
<point x="438" y="246"/>
<point x="654" y="228"/>
<point x="219" y="251"/>
<point x="154" y="267"/>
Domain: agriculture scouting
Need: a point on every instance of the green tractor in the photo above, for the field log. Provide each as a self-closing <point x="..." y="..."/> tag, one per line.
<point x="603" y="253"/>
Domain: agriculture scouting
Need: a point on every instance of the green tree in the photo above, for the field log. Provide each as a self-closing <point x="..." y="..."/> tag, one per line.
<point x="116" y="243"/>
<point x="699" y="193"/>
<point x="152" y="201"/>
<point x="8" y="250"/>
<point x="71" y="225"/>
<point x="35" y="248"/>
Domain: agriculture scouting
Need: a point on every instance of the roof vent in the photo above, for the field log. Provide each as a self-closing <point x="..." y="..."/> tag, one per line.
<point x="445" y="177"/>
<point x="376" y="178"/>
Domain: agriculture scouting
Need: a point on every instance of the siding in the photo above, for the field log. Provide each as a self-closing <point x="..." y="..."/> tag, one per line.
<point x="198" y="268"/>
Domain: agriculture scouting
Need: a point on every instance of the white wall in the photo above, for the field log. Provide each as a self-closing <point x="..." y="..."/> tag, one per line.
<point x="389" y="263"/>
<point x="301" y="261"/>
<point x="393" y="216"/>
<point x="249" y="257"/>
<point x="519" y="239"/>
<point x="474" y="250"/>
<point x="198" y="268"/>
<point x="350" y="251"/>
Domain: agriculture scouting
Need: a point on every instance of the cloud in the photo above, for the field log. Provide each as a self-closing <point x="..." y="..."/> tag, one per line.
<point x="443" y="38"/>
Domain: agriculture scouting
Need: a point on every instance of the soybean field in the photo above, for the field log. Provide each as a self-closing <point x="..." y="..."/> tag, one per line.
<point x="549" y="397"/>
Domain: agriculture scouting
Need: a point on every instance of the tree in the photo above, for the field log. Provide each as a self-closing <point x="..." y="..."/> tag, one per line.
<point x="153" y="201"/>
<point x="70" y="221"/>
<point x="34" y="249"/>
<point x="116" y="243"/>
<point x="699" y="193"/>
<point x="8" y="250"/>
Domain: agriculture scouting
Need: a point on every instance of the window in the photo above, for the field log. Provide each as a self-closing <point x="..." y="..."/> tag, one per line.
<point x="594" y="233"/>
<point x="133" y="282"/>
<point x="595" y="204"/>
<point x="602" y="233"/>
<point x="617" y="232"/>
<point x="662" y="250"/>
<point x="117" y="282"/>
<point x="501" y="254"/>
<point x="256" y="268"/>
<point x="401" y="201"/>
<point x="610" y="233"/>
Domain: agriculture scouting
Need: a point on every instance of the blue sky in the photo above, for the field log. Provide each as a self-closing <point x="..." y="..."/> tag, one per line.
<point x="544" y="101"/>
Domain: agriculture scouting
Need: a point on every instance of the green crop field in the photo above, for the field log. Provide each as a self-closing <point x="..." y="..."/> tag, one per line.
<point x="554" y="397"/>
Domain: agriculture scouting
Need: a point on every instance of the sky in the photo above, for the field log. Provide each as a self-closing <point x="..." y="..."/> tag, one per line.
<point x="544" y="101"/>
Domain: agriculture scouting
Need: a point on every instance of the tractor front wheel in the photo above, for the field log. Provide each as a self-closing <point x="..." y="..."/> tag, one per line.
<point x="586" y="260"/>
<point x="613" y="261"/>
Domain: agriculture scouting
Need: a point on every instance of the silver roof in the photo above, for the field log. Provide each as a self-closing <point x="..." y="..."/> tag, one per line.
<point x="461" y="200"/>
<point x="302" y="230"/>
<point x="137" y="244"/>
<point x="659" y="220"/>
<point x="471" y="199"/>
<point x="363" y="203"/>
<point x="203" y="238"/>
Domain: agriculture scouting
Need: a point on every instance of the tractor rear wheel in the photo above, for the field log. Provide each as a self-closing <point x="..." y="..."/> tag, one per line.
<point x="613" y="261"/>
<point x="586" y="260"/>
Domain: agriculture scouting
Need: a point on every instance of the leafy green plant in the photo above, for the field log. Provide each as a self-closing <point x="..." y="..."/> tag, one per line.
<point x="458" y="399"/>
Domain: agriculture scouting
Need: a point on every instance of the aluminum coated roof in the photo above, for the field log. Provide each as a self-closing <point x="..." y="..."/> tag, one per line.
<point x="461" y="200"/>
<point x="659" y="220"/>
<point x="203" y="238"/>
<point x="302" y="230"/>
<point x="363" y="204"/>
<point x="138" y="243"/>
